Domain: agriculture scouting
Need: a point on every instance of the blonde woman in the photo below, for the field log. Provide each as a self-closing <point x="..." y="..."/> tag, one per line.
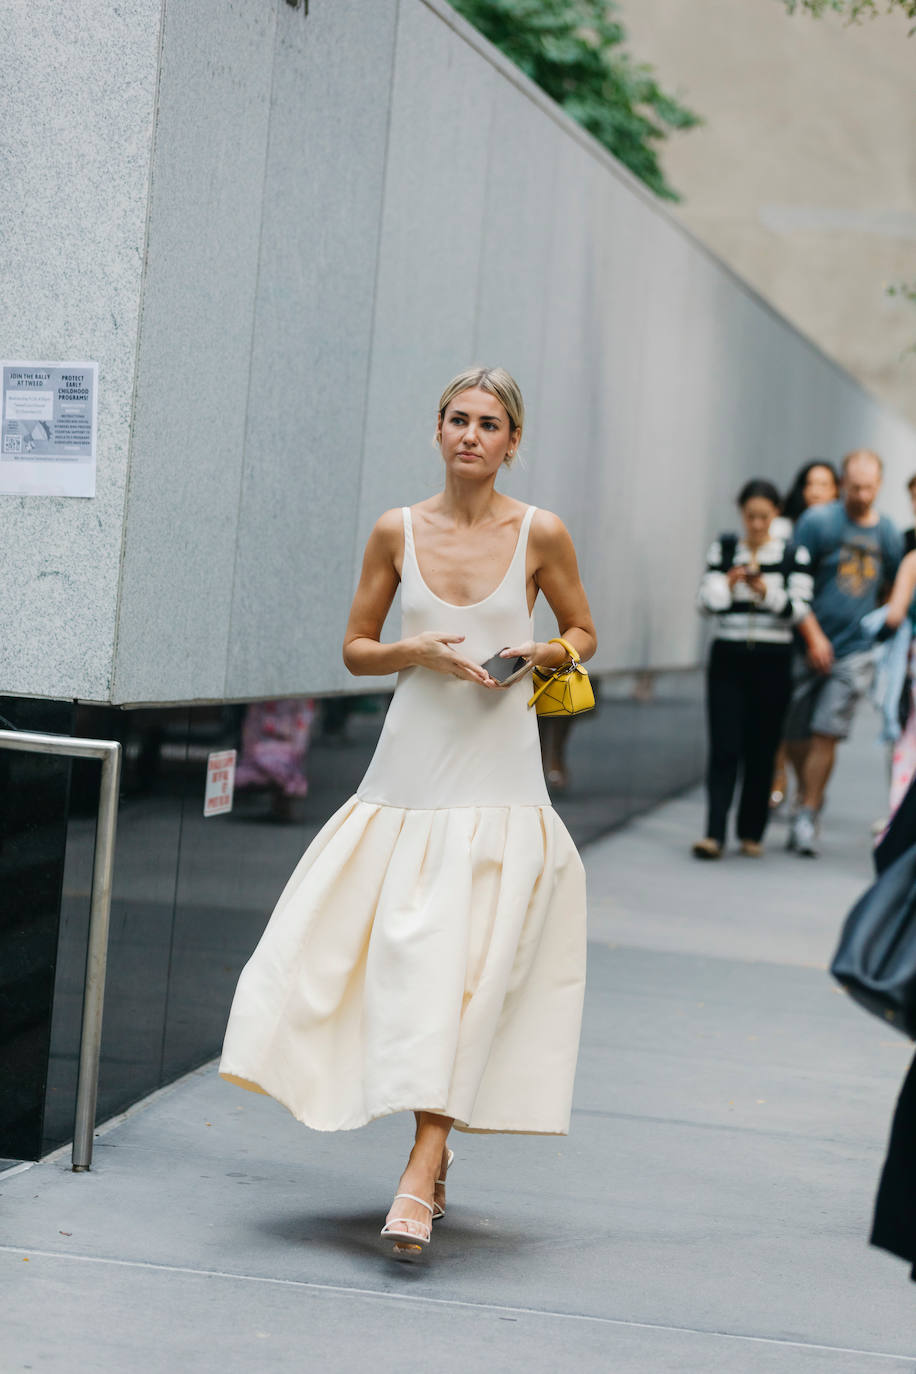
<point x="428" y="953"/>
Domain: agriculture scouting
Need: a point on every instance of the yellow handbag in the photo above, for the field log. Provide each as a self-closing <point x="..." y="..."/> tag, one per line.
<point x="563" y="691"/>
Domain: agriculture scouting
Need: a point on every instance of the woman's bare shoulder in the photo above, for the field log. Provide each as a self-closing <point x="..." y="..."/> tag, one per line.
<point x="390" y="521"/>
<point x="548" y="530"/>
<point x="389" y="526"/>
<point x="387" y="537"/>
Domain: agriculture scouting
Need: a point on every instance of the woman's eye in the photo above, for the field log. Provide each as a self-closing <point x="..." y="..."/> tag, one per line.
<point x="489" y="425"/>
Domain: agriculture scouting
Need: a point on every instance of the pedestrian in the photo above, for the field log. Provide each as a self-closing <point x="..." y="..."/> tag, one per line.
<point x="894" y="1221"/>
<point x="757" y="587"/>
<point x="854" y="555"/>
<point x="909" y="536"/>
<point x="816" y="483"/>
<point x="898" y="693"/>
<point x="275" y="741"/>
<point x="428" y="952"/>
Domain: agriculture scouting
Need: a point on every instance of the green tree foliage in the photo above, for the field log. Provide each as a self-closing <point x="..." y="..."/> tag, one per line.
<point x="854" y="10"/>
<point x="573" y="49"/>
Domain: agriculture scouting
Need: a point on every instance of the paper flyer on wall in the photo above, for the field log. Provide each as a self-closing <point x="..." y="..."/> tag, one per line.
<point x="48" y="424"/>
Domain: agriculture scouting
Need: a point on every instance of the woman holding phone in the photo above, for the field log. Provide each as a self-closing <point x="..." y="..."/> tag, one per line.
<point x="757" y="588"/>
<point x="428" y="953"/>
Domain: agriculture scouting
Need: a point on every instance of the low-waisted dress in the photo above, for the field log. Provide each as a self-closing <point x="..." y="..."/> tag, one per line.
<point x="428" y="952"/>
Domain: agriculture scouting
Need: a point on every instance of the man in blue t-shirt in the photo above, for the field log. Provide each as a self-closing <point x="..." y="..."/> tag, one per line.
<point x="854" y="554"/>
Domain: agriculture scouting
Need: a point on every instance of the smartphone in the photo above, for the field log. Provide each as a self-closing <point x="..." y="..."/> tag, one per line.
<point x="505" y="671"/>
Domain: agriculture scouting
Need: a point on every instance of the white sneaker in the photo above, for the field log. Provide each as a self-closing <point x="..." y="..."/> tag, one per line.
<point x="803" y="836"/>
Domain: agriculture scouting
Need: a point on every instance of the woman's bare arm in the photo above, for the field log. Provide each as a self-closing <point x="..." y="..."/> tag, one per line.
<point x="902" y="594"/>
<point x="557" y="575"/>
<point x="363" y="653"/>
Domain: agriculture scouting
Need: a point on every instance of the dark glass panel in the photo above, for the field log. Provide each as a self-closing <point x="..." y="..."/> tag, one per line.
<point x="153" y="783"/>
<point x="33" y="830"/>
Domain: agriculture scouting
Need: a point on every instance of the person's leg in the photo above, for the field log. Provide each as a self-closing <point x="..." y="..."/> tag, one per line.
<point x="554" y="738"/>
<point x="806" y="686"/>
<point x="725" y="712"/>
<point x="796" y="754"/>
<point x="818" y="766"/>
<point x="780" y="777"/>
<point x="831" y="721"/>
<point x="423" y="1168"/>
<point x="768" y="689"/>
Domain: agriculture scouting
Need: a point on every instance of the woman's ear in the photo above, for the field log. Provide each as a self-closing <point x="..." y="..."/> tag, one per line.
<point x="515" y="439"/>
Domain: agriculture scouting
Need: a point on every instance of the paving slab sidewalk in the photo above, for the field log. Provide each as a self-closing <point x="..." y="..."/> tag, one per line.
<point x="708" y="1212"/>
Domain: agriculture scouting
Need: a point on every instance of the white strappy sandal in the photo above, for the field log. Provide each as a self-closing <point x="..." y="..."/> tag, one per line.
<point x="408" y="1245"/>
<point x="437" y="1210"/>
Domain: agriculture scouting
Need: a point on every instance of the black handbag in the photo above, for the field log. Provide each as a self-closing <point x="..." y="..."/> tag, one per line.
<point x="875" y="960"/>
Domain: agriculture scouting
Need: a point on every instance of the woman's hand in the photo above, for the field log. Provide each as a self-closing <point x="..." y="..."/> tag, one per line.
<point x="820" y="652"/>
<point x="538" y="655"/>
<point x="431" y="650"/>
<point x="751" y="577"/>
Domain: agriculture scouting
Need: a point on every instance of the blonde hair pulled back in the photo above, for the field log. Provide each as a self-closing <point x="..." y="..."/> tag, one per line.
<point x="499" y="383"/>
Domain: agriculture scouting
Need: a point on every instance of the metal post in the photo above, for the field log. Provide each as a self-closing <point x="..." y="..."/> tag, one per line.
<point x="87" y="1087"/>
<point x="109" y="751"/>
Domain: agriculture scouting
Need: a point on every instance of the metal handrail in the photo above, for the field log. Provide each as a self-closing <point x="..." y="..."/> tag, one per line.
<point x="109" y="751"/>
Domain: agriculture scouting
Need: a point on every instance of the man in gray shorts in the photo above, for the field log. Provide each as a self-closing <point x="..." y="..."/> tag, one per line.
<point x="854" y="554"/>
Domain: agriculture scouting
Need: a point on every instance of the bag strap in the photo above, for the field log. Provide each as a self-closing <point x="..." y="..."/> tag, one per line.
<point x="543" y="688"/>
<point x="569" y="649"/>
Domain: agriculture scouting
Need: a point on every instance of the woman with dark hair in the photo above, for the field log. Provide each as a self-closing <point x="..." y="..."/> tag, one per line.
<point x="816" y="483"/>
<point x="757" y="586"/>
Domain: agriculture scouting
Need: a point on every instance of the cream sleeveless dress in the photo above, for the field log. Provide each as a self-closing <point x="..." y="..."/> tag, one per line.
<point x="428" y="951"/>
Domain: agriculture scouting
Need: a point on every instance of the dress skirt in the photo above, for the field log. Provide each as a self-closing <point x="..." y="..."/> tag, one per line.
<point x="420" y="959"/>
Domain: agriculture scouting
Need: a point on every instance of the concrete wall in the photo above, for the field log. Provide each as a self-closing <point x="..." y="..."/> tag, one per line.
<point x="802" y="176"/>
<point x="77" y="107"/>
<point x="344" y="210"/>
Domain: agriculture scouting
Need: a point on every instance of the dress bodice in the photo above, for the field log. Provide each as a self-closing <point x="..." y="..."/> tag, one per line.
<point x="447" y="742"/>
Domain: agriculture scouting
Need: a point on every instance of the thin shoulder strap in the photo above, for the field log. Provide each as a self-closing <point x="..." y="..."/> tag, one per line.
<point x="520" y="556"/>
<point x="526" y="527"/>
<point x="408" y="530"/>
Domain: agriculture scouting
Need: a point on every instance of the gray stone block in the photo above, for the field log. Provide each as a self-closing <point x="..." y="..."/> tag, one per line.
<point x="297" y="533"/>
<point x="194" y="351"/>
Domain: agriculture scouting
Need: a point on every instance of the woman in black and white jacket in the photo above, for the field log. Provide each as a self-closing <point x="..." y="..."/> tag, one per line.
<point x="758" y="587"/>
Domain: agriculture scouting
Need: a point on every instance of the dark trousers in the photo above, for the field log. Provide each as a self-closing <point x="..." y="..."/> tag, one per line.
<point x="894" y="1226"/>
<point x="748" y="689"/>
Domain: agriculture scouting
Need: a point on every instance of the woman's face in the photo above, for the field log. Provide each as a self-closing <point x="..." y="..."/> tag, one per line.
<point x="475" y="434"/>
<point x="819" y="487"/>
<point x="758" y="513"/>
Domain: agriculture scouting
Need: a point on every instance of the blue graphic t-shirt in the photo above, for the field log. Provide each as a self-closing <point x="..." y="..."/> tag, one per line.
<point x="850" y="564"/>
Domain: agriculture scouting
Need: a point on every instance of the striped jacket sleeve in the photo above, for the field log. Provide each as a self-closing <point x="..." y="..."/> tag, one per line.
<point x="715" y="595"/>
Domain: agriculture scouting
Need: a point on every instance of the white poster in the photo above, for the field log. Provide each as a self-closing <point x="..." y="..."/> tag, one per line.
<point x="48" y="423"/>
<point x="220" y="783"/>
